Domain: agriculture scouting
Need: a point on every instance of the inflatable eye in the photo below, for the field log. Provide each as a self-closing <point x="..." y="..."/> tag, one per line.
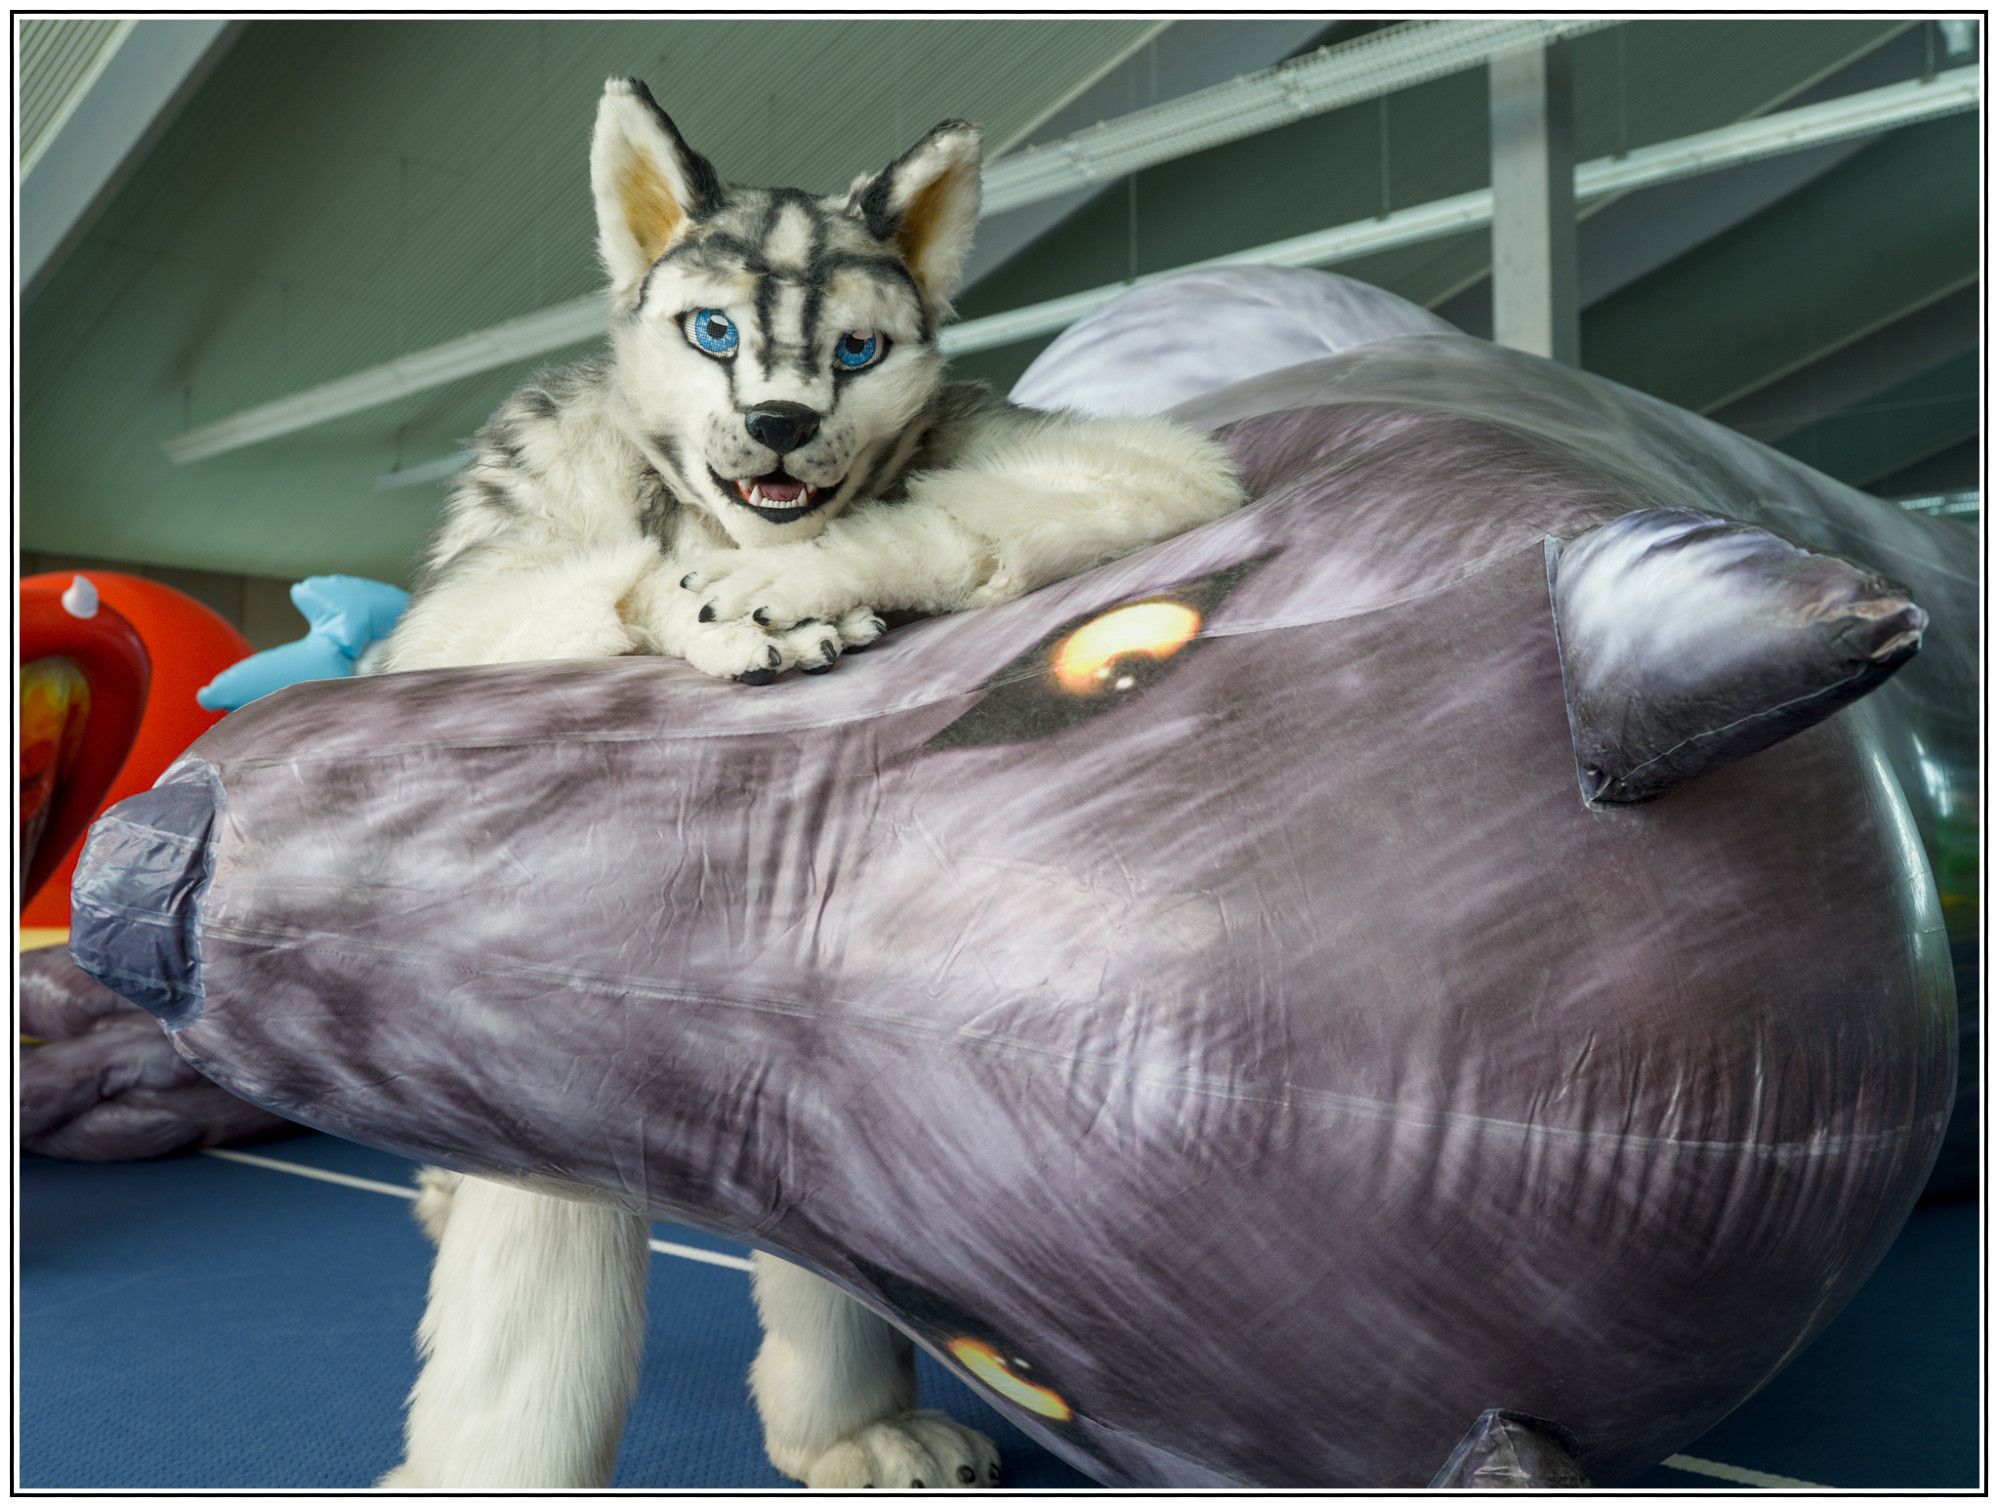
<point x="997" y="1373"/>
<point x="1091" y="667"/>
<point x="1098" y="657"/>
<point x="712" y="331"/>
<point x="859" y="348"/>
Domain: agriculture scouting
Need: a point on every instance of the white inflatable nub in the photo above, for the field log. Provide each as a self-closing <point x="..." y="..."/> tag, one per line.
<point x="80" y="597"/>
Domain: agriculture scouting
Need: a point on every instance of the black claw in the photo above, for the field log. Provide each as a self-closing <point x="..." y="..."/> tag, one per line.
<point x="706" y="615"/>
<point x="880" y="629"/>
<point x="916" y="1482"/>
<point x="688" y="580"/>
<point x="867" y="1485"/>
<point x="829" y="649"/>
<point x="817" y="670"/>
<point x="966" y="1474"/>
<point x="758" y="677"/>
<point x="772" y="658"/>
<point x="759" y="617"/>
<point x="993" y="1472"/>
<point x="802" y="623"/>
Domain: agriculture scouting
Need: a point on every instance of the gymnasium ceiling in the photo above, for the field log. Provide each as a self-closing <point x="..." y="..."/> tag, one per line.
<point x="335" y="194"/>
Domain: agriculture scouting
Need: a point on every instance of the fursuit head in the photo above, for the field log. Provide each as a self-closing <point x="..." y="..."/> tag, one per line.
<point x="769" y="458"/>
<point x="771" y="455"/>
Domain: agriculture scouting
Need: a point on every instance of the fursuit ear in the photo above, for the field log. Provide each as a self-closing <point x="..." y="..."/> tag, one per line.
<point x="1689" y="641"/>
<point x="649" y="184"/>
<point x="925" y="204"/>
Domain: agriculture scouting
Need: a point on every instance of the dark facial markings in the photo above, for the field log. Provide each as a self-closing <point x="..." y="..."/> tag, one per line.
<point x="885" y="478"/>
<point x="713" y="251"/>
<point x="767" y="286"/>
<point x="723" y="251"/>
<point x="875" y="265"/>
<point x="815" y="294"/>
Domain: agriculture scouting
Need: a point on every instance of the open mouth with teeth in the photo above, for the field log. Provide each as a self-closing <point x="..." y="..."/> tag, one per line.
<point x="777" y="496"/>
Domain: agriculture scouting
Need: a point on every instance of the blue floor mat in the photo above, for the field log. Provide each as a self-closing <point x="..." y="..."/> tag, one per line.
<point x="200" y="1323"/>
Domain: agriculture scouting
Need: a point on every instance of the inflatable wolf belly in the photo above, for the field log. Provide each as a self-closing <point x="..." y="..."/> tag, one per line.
<point x="1197" y="1001"/>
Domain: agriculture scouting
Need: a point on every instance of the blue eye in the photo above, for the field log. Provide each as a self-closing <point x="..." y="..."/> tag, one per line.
<point x="857" y="349"/>
<point x="713" y="331"/>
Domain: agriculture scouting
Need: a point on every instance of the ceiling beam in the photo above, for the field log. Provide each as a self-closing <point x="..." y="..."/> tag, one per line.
<point x="1370" y="66"/>
<point x="140" y="84"/>
<point x="1868" y="113"/>
<point x="1901" y="427"/>
<point x="1186" y="56"/>
<point x="1534" y="203"/>
<point x="1864" y="114"/>
<point x="1621" y="239"/>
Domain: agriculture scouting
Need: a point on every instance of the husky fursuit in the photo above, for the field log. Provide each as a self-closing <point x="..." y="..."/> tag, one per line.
<point x="768" y="459"/>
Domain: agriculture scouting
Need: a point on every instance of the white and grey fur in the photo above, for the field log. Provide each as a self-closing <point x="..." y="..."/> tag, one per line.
<point x="600" y="516"/>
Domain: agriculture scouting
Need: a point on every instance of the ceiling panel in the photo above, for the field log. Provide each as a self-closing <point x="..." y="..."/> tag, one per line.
<point x="1897" y="428"/>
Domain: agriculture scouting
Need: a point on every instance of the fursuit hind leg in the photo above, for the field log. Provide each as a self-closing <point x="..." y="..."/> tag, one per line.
<point x="836" y="1386"/>
<point x="530" y="1340"/>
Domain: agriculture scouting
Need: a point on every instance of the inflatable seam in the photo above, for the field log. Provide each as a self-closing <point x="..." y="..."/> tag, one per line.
<point x="911" y="1027"/>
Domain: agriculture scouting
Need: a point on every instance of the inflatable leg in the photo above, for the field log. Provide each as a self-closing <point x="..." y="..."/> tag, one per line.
<point x="836" y="1386"/>
<point x="1506" y="1450"/>
<point x="531" y="1343"/>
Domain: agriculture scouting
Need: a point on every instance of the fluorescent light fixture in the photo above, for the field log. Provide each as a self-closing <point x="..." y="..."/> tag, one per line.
<point x="1363" y="69"/>
<point x="438" y="469"/>
<point x="499" y="345"/>
<point x="1946" y="505"/>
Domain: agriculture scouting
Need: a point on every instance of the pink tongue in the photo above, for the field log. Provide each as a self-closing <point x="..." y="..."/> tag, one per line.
<point x="781" y="489"/>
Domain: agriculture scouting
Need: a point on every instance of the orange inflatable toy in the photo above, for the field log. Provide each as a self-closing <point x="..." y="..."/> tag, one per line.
<point x="110" y="664"/>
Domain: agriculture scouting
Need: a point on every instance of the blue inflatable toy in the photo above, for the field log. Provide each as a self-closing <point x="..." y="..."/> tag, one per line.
<point x="345" y="615"/>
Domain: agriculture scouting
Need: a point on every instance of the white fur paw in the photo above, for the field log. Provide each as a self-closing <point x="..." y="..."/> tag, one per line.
<point x="860" y="628"/>
<point x="816" y="644"/>
<point x="435" y="1187"/>
<point x="738" y="650"/>
<point x="780" y="585"/>
<point x="923" y="1449"/>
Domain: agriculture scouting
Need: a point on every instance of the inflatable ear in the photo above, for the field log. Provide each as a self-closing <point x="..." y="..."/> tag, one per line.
<point x="1689" y="641"/>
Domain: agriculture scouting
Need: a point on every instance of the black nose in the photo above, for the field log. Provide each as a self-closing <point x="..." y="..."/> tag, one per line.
<point x="781" y="426"/>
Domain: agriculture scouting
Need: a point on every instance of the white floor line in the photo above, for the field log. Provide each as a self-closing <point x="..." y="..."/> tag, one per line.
<point x="406" y="1192"/>
<point x="324" y="1175"/>
<point x="1700" y="1466"/>
<point x="1749" y="1477"/>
